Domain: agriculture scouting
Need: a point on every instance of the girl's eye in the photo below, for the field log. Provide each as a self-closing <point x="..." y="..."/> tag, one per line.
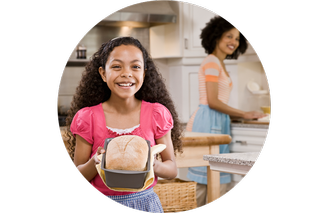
<point x="116" y="67"/>
<point x="136" y="67"/>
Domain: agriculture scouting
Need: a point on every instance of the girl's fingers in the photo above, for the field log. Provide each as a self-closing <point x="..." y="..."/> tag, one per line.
<point x="100" y="150"/>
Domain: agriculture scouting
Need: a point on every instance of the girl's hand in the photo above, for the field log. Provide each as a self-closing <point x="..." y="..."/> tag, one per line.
<point x="253" y="115"/>
<point x="154" y="160"/>
<point x="99" y="151"/>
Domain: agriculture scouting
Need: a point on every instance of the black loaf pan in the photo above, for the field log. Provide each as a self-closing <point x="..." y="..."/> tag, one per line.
<point x="124" y="178"/>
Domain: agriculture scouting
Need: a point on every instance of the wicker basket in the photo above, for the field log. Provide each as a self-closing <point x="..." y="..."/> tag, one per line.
<point x="176" y="195"/>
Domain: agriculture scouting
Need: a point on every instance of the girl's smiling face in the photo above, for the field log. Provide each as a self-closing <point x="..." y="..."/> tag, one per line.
<point x="124" y="71"/>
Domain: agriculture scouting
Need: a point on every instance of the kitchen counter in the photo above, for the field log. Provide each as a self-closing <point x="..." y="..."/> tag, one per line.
<point x="245" y="125"/>
<point x="235" y="163"/>
<point x="204" y="139"/>
<point x="195" y="145"/>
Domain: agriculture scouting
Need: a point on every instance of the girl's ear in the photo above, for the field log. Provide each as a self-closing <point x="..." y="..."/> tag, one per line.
<point x="103" y="74"/>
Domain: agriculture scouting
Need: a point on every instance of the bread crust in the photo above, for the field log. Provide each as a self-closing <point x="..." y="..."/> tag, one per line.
<point x="127" y="152"/>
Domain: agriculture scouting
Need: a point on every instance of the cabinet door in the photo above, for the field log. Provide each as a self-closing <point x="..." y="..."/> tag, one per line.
<point x="194" y="20"/>
<point x="184" y="90"/>
<point x="247" y="139"/>
<point x="193" y="92"/>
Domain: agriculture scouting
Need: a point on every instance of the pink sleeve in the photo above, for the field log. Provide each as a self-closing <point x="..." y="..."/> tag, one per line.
<point x="163" y="121"/>
<point x="82" y="124"/>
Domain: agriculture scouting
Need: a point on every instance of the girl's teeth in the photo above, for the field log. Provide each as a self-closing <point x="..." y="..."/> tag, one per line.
<point x="125" y="85"/>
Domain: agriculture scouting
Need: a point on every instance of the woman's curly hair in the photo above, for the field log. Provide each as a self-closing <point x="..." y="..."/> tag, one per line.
<point x="92" y="90"/>
<point x="213" y="32"/>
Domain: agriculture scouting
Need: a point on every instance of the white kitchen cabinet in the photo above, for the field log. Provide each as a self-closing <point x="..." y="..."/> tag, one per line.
<point x="246" y="140"/>
<point x="193" y="91"/>
<point x="181" y="39"/>
<point x="194" y="19"/>
<point x="183" y="87"/>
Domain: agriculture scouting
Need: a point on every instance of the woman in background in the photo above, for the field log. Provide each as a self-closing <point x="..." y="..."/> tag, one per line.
<point x="221" y="41"/>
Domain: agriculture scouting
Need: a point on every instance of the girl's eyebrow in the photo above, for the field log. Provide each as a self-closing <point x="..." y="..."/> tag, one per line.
<point x="133" y="61"/>
<point x="136" y="60"/>
<point x="116" y="60"/>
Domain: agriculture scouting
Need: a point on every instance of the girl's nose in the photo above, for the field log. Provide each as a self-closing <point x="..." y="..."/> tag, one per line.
<point x="126" y="74"/>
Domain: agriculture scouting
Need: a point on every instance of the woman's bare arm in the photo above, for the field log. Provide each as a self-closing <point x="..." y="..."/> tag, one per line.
<point x="214" y="103"/>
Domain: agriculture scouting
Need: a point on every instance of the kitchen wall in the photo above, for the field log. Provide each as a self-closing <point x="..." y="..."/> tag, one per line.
<point x="251" y="71"/>
<point x="69" y="81"/>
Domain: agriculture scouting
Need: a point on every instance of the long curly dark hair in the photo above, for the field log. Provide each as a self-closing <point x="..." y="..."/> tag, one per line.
<point x="92" y="90"/>
<point x="213" y="32"/>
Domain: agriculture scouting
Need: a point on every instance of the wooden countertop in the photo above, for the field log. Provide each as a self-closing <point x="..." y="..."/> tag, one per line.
<point x="204" y="139"/>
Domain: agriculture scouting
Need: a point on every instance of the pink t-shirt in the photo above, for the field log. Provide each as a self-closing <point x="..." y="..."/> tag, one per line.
<point x="90" y="124"/>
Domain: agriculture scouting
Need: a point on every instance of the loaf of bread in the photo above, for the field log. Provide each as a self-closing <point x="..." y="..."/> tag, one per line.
<point x="128" y="152"/>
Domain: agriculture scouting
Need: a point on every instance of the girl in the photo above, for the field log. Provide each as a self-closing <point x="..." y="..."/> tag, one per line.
<point x="121" y="92"/>
<point x="221" y="41"/>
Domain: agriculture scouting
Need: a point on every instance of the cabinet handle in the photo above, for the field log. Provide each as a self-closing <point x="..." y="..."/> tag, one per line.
<point x="186" y="43"/>
<point x="242" y="142"/>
